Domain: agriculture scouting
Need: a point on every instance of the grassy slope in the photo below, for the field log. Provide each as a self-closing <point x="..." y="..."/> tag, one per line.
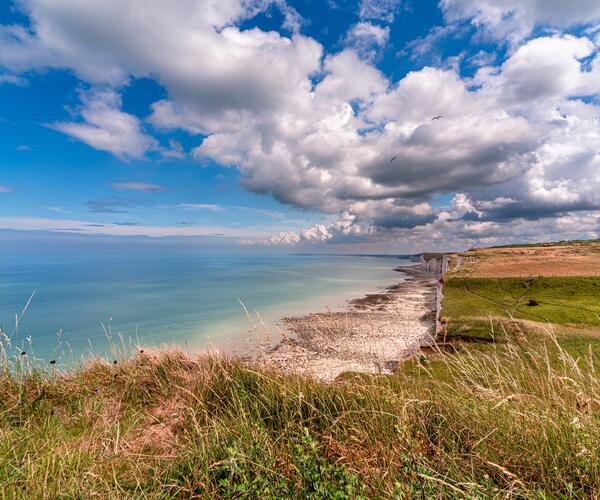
<point x="518" y="422"/>
<point x="559" y="260"/>
<point x="567" y="305"/>
<point x="470" y="303"/>
<point x="516" y="418"/>
<point x="568" y="300"/>
<point x="554" y="243"/>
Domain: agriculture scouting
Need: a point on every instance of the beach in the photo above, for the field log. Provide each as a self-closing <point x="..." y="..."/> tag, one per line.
<point x="372" y="334"/>
<point x="162" y="298"/>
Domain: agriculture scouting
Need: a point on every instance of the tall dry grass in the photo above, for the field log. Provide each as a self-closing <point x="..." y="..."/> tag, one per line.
<point x="519" y="419"/>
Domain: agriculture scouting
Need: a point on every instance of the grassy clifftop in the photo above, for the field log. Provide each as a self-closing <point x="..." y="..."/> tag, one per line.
<point x="516" y="422"/>
<point x="507" y="406"/>
<point x="543" y="287"/>
<point x="577" y="258"/>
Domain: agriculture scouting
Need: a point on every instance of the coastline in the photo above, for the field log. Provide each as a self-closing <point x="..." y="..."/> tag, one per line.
<point x="372" y="334"/>
<point x="164" y="298"/>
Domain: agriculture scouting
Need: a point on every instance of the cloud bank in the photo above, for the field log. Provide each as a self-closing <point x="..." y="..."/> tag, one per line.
<point x="516" y="145"/>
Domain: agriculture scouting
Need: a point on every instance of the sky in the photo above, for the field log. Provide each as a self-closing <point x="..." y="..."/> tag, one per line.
<point x="288" y="125"/>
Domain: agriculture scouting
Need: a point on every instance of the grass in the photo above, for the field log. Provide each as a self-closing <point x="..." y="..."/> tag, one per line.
<point x="520" y="421"/>
<point x="575" y="259"/>
<point x="546" y="244"/>
<point x="470" y="302"/>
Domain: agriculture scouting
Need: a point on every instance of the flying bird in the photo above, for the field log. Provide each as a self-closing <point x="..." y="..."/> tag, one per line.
<point x="437" y="117"/>
<point x="393" y="159"/>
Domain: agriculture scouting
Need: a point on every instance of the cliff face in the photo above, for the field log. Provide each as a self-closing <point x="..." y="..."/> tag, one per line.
<point x="436" y="263"/>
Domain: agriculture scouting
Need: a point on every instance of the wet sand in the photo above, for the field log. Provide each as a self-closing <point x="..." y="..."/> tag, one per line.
<point x="372" y="335"/>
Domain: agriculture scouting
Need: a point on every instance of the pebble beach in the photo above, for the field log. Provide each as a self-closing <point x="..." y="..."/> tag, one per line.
<point x="373" y="334"/>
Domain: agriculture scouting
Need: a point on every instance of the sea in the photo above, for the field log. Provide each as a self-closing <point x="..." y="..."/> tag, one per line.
<point x="64" y="308"/>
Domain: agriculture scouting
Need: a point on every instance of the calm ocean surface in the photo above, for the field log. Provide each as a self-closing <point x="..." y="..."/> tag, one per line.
<point x="186" y="299"/>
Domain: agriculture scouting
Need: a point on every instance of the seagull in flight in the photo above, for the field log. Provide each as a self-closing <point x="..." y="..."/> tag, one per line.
<point x="437" y="117"/>
<point x="393" y="159"/>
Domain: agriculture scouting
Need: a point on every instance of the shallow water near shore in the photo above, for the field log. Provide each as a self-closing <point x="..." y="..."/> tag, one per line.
<point x="184" y="299"/>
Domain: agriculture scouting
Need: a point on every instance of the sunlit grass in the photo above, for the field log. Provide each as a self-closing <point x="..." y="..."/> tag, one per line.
<point x="517" y="419"/>
<point x="470" y="303"/>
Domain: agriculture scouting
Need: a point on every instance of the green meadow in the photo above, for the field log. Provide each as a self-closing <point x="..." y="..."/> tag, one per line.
<point x="484" y="308"/>
<point x="560" y="300"/>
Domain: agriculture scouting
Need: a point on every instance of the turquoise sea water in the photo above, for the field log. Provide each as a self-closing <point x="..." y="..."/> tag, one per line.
<point x="186" y="299"/>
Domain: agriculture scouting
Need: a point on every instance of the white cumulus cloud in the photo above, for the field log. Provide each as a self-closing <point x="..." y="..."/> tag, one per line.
<point x="329" y="132"/>
<point x="515" y="19"/>
<point x="105" y="127"/>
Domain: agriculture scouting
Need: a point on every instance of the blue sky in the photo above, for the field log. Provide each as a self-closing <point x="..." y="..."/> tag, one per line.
<point x="51" y="175"/>
<point x="300" y="124"/>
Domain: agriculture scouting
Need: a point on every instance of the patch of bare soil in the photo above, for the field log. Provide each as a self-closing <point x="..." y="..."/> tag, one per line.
<point x="372" y="335"/>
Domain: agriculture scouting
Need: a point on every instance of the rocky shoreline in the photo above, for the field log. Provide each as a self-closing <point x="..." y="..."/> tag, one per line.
<point x="372" y="335"/>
